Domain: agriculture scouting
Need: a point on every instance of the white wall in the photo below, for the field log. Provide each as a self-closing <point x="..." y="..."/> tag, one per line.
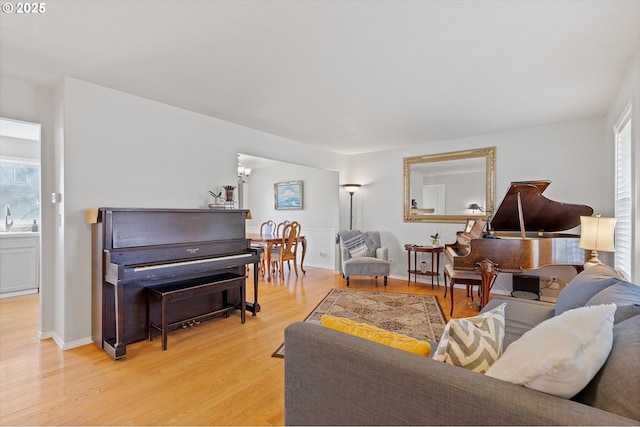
<point x="122" y="150"/>
<point x="569" y="154"/>
<point x="319" y="216"/>
<point x="29" y="103"/>
<point x="629" y="92"/>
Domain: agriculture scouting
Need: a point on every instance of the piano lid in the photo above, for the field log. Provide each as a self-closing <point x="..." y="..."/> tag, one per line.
<point x="539" y="213"/>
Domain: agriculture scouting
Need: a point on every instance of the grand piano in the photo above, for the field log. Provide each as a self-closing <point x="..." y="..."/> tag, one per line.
<point x="134" y="249"/>
<point x="524" y="233"/>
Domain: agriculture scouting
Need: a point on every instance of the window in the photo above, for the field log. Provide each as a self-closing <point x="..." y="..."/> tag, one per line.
<point x="19" y="173"/>
<point x="20" y="190"/>
<point x="623" y="192"/>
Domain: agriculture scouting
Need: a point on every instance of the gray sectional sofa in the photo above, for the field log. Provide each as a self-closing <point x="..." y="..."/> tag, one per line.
<point x="332" y="378"/>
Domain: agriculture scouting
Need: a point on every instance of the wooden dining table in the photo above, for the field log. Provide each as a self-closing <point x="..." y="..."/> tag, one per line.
<point x="271" y="241"/>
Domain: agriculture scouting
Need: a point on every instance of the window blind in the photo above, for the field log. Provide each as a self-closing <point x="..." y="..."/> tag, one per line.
<point x="623" y="194"/>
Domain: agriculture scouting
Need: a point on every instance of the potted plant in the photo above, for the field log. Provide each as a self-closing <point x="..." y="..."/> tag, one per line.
<point x="216" y="198"/>
<point x="435" y="239"/>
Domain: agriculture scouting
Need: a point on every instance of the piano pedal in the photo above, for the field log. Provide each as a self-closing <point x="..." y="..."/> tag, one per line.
<point x="473" y="305"/>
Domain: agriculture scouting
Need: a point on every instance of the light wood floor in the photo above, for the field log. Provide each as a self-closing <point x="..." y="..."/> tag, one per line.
<point x="218" y="373"/>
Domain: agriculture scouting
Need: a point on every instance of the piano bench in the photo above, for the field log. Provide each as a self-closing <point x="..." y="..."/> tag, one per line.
<point x="193" y="288"/>
<point x="461" y="277"/>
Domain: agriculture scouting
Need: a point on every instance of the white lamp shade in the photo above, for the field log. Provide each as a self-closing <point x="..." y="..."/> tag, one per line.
<point x="351" y="188"/>
<point x="597" y="233"/>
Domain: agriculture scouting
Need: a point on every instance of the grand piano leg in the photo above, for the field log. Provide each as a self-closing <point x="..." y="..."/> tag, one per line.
<point x="487" y="270"/>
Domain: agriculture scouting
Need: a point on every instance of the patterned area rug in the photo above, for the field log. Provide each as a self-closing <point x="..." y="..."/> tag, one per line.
<point x="418" y="316"/>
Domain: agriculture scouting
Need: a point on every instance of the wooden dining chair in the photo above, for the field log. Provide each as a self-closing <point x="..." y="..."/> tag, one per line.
<point x="267" y="228"/>
<point x="281" y="226"/>
<point x="288" y="250"/>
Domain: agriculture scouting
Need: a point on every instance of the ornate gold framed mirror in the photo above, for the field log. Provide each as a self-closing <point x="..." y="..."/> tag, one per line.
<point x="443" y="187"/>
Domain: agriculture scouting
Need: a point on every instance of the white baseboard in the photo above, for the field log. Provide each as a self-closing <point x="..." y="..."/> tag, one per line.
<point x="19" y="293"/>
<point x="64" y="345"/>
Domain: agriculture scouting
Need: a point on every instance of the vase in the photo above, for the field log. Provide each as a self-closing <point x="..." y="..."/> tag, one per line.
<point x="436" y="243"/>
<point x="423" y="267"/>
<point x="229" y="192"/>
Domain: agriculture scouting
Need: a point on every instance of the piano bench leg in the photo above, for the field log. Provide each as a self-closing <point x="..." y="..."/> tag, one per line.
<point x="163" y="324"/>
<point x="163" y="321"/>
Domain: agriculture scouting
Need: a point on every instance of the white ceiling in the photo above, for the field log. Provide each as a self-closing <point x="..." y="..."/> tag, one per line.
<point x="350" y="76"/>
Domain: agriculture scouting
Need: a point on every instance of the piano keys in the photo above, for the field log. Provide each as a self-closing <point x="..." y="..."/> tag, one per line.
<point x="134" y="249"/>
<point x="525" y="233"/>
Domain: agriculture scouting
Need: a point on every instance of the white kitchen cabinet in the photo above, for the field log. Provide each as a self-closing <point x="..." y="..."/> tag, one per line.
<point x="19" y="262"/>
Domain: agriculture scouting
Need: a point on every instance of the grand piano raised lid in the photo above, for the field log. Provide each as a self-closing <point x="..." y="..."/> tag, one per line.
<point x="138" y="248"/>
<point x="524" y="234"/>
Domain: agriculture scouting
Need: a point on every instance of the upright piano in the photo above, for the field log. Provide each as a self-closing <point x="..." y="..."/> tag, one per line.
<point x="133" y="249"/>
<point x="524" y="233"/>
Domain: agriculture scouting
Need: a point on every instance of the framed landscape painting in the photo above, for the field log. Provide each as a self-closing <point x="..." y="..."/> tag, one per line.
<point x="288" y="195"/>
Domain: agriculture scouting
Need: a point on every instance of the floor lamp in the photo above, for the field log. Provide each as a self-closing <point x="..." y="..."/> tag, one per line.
<point x="351" y="188"/>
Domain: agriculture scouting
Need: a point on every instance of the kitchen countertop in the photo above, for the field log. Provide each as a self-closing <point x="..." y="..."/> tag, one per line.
<point x="19" y="234"/>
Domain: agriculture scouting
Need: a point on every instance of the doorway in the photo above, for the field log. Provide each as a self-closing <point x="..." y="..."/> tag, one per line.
<point x="318" y="212"/>
<point x="20" y="198"/>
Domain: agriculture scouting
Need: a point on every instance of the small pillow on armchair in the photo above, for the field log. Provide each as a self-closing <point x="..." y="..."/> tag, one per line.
<point x="356" y="246"/>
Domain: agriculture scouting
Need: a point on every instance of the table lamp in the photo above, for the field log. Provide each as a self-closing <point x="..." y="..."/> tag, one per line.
<point x="596" y="234"/>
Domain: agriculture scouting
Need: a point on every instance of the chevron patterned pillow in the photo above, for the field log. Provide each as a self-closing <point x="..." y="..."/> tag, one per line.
<point x="474" y="343"/>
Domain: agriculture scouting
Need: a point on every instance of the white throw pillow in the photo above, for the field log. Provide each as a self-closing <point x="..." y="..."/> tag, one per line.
<point x="562" y="354"/>
<point x="473" y="343"/>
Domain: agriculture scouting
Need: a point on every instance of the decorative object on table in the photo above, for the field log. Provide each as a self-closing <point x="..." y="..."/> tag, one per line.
<point x="217" y="199"/>
<point x="229" y="192"/>
<point x="288" y="195"/>
<point x="351" y="188"/>
<point x="417" y="316"/>
<point x="423" y="267"/>
<point x="596" y="234"/>
<point x="435" y="239"/>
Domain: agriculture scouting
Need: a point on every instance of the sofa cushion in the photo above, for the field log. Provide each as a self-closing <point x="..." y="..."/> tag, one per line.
<point x="520" y="315"/>
<point x="584" y="286"/>
<point x="624" y="312"/>
<point x="616" y="387"/>
<point x="625" y="295"/>
<point x="375" y="334"/>
<point x="366" y="266"/>
<point x="560" y="355"/>
<point x="473" y="343"/>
